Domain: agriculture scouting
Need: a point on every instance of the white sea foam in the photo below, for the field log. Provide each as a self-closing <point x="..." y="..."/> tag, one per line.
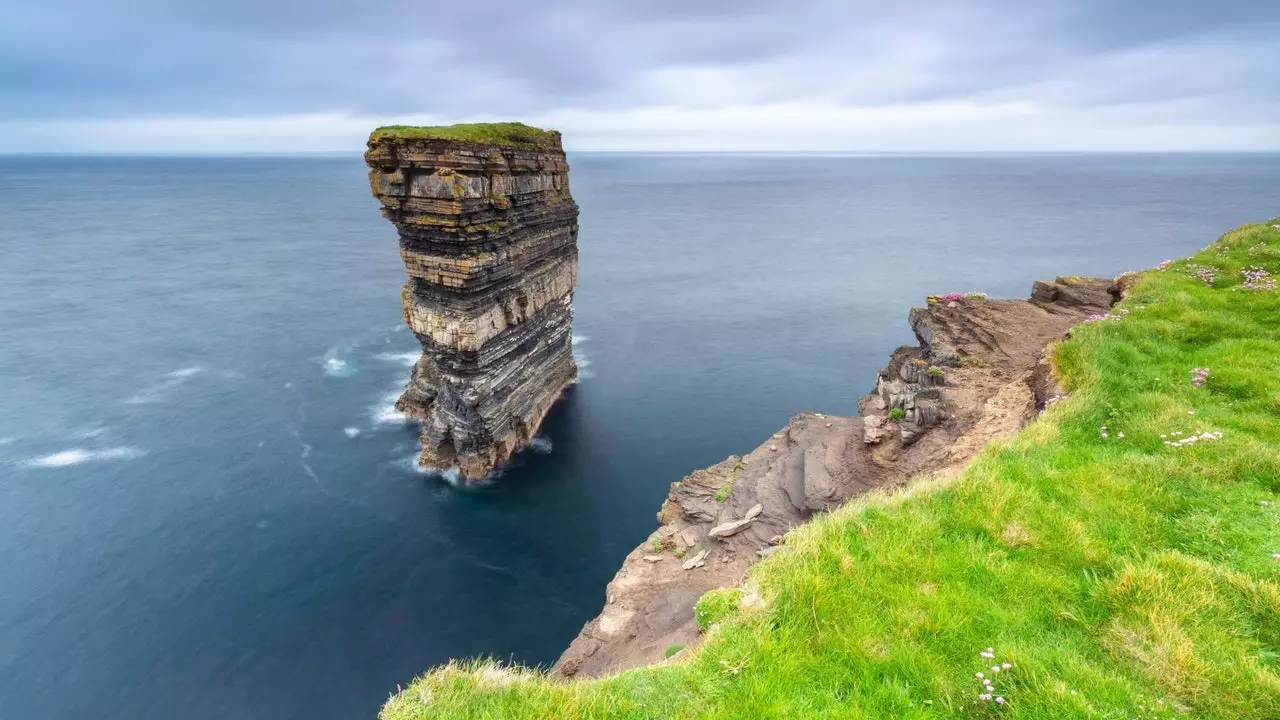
<point x="385" y="412"/>
<point x="351" y="431"/>
<point x="580" y="358"/>
<point x="452" y="475"/>
<point x="335" y="366"/>
<point x="79" y="456"/>
<point x="157" y="392"/>
<point x="541" y="445"/>
<point x="406" y="359"/>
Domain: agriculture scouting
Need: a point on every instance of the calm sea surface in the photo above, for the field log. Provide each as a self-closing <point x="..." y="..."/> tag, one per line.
<point x="209" y="509"/>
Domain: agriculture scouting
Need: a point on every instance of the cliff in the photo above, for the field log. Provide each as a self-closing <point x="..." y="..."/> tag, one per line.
<point x="488" y="234"/>
<point x="1116" y="557"/>
<point x="976" y="375"/>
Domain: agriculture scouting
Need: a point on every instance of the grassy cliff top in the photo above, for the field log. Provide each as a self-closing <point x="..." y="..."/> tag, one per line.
<point x="506" y="134"/>
<point x="1120" y="569"/>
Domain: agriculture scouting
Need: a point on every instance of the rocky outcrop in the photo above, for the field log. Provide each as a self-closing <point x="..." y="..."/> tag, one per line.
<point x="977" y="374"/>
<point x="488" y="235"/>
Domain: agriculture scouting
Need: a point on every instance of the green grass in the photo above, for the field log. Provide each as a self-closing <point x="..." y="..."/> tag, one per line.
<point x="723" y="493"/>
<point x="506" y="134"/>
<point x="897" y="414"/>
<point x="1120" y="577"/>
<point x="716" y="606"/>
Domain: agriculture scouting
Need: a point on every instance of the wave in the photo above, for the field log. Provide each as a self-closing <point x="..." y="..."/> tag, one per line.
<point x="335" y="366"/>
<point x="79" y="456"/>
<point x="452" y="475"/>
<point x="156" y="393"/>
<point x="385" y="412"/>
<point x="541" y="445"/>
<point x="580" y="358"/>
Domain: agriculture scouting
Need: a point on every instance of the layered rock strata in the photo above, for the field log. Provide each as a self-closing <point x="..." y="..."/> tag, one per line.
<point x="488" y="234"/>
<point x="978" y="374"/>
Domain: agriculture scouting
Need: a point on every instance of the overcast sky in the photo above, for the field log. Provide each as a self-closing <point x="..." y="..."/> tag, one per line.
<point x="294" y="75"/>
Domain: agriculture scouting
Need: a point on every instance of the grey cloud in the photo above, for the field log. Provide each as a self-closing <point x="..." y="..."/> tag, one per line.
<point x="136" y="58"/>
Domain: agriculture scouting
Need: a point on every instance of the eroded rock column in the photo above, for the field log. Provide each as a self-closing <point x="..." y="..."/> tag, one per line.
<point x="488" y="234"/>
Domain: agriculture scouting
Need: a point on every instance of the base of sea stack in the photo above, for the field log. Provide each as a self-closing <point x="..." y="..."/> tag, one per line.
<point x="439" y="451"/>
<point x="978" y="374"/>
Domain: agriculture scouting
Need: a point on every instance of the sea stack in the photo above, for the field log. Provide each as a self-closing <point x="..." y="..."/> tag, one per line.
<point x="489" y="238"/>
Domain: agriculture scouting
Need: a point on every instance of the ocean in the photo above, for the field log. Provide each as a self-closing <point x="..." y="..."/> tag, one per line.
<point x="210" y="509"/>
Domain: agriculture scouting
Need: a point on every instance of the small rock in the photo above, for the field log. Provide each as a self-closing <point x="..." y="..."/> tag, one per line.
<point x="729" y="529"/>
<point x="873" y="429"/>
<point x="689" y="536"/>
<point x="696" y="561"/>
<point x="773" y="448"/>
<point x="828" y="424"/>
<point x="776" y="540"/>
<point x="667" y="531"/>
<point x="766" y="552"/>
<point x="653" y="558"/>
<point x="733" y="528"/>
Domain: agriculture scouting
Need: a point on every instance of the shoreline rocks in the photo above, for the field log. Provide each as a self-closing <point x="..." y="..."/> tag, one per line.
<point x="978" y="374"/>
<point x="488" y="234"/>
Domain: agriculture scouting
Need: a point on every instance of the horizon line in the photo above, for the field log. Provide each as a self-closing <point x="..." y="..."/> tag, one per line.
<point x="775" y="153"/>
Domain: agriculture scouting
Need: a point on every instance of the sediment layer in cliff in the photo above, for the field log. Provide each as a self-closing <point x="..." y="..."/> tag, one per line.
<point x="488" y="234"/>
<point x="978" y="374"/>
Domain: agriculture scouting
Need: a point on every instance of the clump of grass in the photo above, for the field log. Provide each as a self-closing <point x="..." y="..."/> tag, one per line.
<point x="723" y="493"/>
<point x="1117" y="577"/>
<point x="502" y="134"/>
<point x="897" y="414"/>
<point x="716" y="606"/>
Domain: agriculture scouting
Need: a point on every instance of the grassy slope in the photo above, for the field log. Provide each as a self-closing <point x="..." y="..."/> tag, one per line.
<point x="1122" y="578"/>
<point x="507" y="134"/>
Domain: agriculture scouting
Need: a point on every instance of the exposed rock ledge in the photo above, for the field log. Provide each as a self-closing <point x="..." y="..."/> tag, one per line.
<point x="978" y="374"/>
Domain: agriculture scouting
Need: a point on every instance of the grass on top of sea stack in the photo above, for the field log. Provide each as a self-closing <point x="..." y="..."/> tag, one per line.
<point x="506" y="134"/>
<point x="1098" y="565"/>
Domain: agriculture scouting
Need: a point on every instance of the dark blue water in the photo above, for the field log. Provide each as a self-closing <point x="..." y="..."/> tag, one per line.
<point x="208" y="510"/>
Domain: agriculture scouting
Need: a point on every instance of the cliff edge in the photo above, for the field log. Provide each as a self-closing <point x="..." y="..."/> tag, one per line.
<point x="488" y="234"/>
<point x="978" y="374"/>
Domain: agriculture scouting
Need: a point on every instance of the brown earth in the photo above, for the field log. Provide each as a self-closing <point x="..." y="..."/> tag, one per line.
<point x="978" y="374"/>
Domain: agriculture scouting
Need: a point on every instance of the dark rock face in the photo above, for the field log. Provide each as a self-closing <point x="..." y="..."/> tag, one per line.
<point x="488" y="235"/>
<point x="978" y="374"/>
